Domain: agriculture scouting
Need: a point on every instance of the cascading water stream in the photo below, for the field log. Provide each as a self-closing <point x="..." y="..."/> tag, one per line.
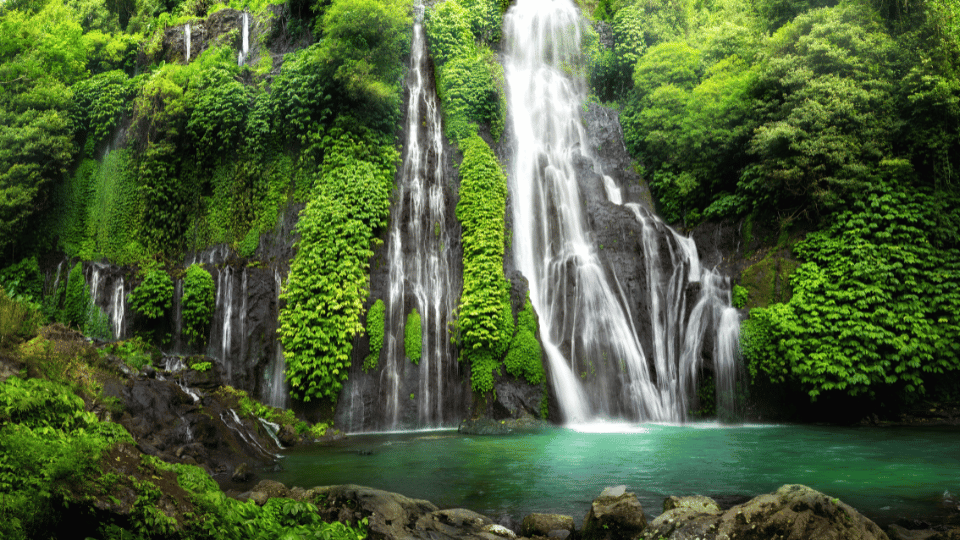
<point x="277" y="392"/>
<point x="598" y="363"/>
<point x="186" y="39"/>
<point x="244" y="38"/>
<point x="422" y="270"/>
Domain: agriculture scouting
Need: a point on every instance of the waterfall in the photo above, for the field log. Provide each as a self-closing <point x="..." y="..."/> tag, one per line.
<point x="107" y="294"/>
<point x="277" y="392"/>
<point x="117" y="310"/>
<point x="603" y="362"/>
<point x="224" y="306"/>
<point x="244" y="38"/>
<point x="186" y="39"/>
<point x="422" y="268"/>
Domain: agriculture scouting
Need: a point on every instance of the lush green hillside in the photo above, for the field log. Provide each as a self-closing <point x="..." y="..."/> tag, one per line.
<point x="836" y="117"/>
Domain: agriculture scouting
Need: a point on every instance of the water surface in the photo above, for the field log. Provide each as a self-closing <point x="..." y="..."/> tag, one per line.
<point x="885" y="473"/>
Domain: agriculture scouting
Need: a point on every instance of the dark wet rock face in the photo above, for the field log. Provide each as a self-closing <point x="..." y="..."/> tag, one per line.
<point x="167" y="422"/>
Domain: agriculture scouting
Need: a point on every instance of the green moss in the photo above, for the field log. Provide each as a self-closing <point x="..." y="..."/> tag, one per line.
<point x="413" y="337"/>
<point x="197" y="304"/>
<point x="485" y="321"/>
<point x="375" y="322"/>
<point x="767" y="281"/>
<point x="77" y="297"/>
<point x="154" y="295"/>
<point x="525" y="357"/>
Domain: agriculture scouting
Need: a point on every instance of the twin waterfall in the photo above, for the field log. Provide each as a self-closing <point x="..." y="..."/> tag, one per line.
<point x="600" y="364"/>
<point x="622" y="342"/>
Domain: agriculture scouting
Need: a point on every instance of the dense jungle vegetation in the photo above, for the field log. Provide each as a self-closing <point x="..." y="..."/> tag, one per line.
<point x="836" y="125"/>
<point x="830" y="129"/>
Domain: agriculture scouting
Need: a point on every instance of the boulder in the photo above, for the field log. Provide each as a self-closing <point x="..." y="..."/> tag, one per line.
<point x="243" y="473"/>
<point x="455" y="523"/>
<point x="510" y="426"/>
<point x="615" y="515"/>
<point x="686" y="517"/>
<point x="896" y="532"/>
<point x="793" y="512"/>
<point x="390" y="515"/>
<point x="549" y="525"/>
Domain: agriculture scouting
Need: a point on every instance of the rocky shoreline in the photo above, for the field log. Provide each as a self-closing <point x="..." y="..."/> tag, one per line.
<point x="793" y="512"/>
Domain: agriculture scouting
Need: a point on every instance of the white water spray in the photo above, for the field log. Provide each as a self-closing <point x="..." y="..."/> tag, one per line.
<point x="186" y="39"/>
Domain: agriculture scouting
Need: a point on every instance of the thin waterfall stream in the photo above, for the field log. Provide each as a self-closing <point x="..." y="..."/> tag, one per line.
<point x="423" y="277"/>
<point x="603" y="362"/>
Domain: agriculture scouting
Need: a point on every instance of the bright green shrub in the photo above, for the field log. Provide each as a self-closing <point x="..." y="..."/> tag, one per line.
<point x="219" y="116"/>
<point x="154" y="296"/>
<point x="413" y="337"/>
<point x="375" y="323"/>
<point x="326" y="288"/>
<point x="197" y="303"/>
<point x="363" y="43"/>
<point x="23" y="280"/>
<point x="49" y="445"/>
<point x="485" y="321"/>
<point x="101" y="101"/>
<point x="77" y="298"/>
<point x="875" y="306"/>
<point x="111" y="226"/>
<point x="469" y="78"/>
<point x="525" y="357"/>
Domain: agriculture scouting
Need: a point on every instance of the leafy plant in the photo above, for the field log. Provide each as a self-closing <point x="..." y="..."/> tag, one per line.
<point x="197" y="303"/>
<point x="485" y="322"/>
<point x="375" y="323"/>
<point x="413" y="337"/>
<point x="874" y="305"/>
<point x="326" y="288"/>
<point x="154" y="296"/>
<point x="77" y="298"/>
<point x="525" y="356"/>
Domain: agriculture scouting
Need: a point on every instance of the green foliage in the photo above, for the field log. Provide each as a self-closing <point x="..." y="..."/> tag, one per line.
<point x="525" y="357"/>
<point x="18" y="319"/>
<point x="362" y="44"/>
<point x="22" y="281"/>
<point x="485" y="321"/>
<point x="197" y="303"/>
<point x="636" y="27"/>
<point x="413" y="337"/>
<point x="326" y="288"/>
<point x="77" y="298"/>
<point x="154" y="295"/>
<point x="134" y="352"/>
<point x="111" y="211"/>
<point x="218" y="118"/>
<point x="469" y="77"/>
<point x="49" y="445"/>
<point x="827" y="120"/>
<point x="690" y="129"/>
<point x="875" y="304"/>
<point x="97" y="323"/>
<point x="101" y="100"/>
<point x="375" y="323"/>
<point x="740" y="294"/>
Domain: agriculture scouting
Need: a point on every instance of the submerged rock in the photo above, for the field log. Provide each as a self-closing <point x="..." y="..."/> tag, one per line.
<point x="793" y="512"/>
<point x="616" y="514"/>
<point x="510" y="426"/>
